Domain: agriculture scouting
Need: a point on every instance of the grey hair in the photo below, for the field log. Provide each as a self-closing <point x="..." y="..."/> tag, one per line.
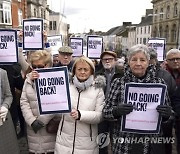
<point x="138" y="48"/>
<point x="172" y="51"/>
<point x="152" y="53"/>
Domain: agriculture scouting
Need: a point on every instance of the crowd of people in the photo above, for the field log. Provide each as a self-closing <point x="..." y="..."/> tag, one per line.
<point x="97" y="92"/>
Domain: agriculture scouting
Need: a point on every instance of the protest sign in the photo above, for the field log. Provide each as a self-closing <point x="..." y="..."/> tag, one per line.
<point x="145" y="97"/>
<point x="94" y="46"/>
<point x="159" y="45"/>
<point x="53" y="90"/>
<point x="8" y="46"/>
<point x="55" y="43"/>
<point x="32" y="34"/>
<point x="77" y="46"/>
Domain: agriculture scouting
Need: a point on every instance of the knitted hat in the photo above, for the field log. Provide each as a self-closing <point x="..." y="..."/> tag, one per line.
<point x="87" y="60"/>
<point x="65" y="49"/>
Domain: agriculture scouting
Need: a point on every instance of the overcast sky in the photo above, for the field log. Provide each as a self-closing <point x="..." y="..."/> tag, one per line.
<point x="102" y="15"/>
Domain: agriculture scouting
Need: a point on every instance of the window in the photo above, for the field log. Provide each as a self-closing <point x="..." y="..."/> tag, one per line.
<point x="149" y="29"/>
<point x="137" y="41"/>
<point x="155" y="18"/>
<point x="144" y="30"/>
<point x="35" y="13"/>
<point x="155" y="32"/>
<point x="144" y="41"/>
<point x="160" y="31"/>
<point x="161" y="14"/>
<point x="42" y="12"/>
<point x="167" y="32"/>
<point x="20" y="17"/>
<point x="173" y="33"/>
<point x="5" y="13"/>
<point x="52" y="25"/>
<point x="141" y="30"/>
<point x="140" y="40"/>
<point x="167" y="12"/>
<point x="175" y="10"/>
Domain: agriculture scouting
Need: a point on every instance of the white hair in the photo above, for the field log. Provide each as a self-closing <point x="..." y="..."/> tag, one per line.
<point x="172" y="51"/>
<point x="138" y="48"/>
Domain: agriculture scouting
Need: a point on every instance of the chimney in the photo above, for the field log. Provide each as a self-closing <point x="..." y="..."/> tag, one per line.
<point x="127" y="24"/>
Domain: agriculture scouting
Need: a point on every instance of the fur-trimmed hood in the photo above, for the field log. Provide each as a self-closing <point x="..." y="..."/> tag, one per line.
<point x="99" y="81"/>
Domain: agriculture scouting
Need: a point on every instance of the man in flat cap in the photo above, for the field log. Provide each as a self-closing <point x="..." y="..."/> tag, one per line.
<point x="65" y="57"/>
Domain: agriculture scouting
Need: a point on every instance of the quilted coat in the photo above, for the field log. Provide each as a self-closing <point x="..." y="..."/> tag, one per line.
<point x="79" y="136"/>
<point x="41" y="142"/>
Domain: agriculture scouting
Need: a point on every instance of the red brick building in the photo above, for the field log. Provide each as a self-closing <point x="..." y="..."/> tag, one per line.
<point x="19" y="12"/>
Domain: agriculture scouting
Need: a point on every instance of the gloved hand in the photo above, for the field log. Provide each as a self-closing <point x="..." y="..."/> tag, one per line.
<point x="37" y="125"/>
<point x="122" y="109"/>
<point x="3" y="113"/>
<point x="164" y="110"/>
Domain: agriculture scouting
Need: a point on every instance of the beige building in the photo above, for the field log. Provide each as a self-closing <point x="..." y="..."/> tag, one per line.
<point x="58" y="25"/>
<point x="38" y="9"/>
<point x="166" y="21"/>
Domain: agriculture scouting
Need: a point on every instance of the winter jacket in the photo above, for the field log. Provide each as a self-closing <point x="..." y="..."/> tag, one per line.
<point x="79" y="136"/>
<point x="8" y="139"/>
<point x="41" y="142"/>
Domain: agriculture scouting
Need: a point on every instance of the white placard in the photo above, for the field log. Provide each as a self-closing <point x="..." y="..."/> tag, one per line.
<point x="94" y="46"/>
<point x="53" y="90"/>
<point x="32" y="34"/>
<point x="145" y="98"/>
<point x="159" y="45"/>
<point x="77" y="46"/>
<point x="8" y="46"/>
<point x="55" y="43"/>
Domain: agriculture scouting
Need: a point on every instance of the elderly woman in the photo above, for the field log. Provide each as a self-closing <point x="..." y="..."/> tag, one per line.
<point x="39" y="141"/>
<point x="137" y="71"/>
<point x="78" y="130"/>
<point x="8" y="139"/>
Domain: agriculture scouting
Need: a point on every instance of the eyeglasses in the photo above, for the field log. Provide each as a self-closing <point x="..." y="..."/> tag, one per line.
<point x="174" y="59"/>
<point x="37" y="66"/>
<point x="108" y="59"/>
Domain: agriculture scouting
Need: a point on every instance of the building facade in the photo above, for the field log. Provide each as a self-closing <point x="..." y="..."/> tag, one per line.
<point x="5" y="14"/>
<point x="39" y="9"/>
<point x="19" y="12"/>
<point x="58" y="25"/>
<point x="166" y="22"/>
<point x="143" y="29"/>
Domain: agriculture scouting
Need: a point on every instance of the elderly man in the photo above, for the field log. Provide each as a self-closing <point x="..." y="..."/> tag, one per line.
<point x="65" y="57"/>
<point x="109" y="71"/>
<point x="171" y="87"/>
<point x="173" y="66"/>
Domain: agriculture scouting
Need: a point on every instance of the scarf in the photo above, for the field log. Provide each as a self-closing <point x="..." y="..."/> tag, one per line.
<point x="83" y="85"/>
<point x="149" y="77"/>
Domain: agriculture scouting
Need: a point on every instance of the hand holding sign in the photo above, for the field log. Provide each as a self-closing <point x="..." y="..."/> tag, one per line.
<point x="34" y="75"/>
<point x="164" y="110"/>
<point x="122" y="109"/>
<point x="75" y="114"/>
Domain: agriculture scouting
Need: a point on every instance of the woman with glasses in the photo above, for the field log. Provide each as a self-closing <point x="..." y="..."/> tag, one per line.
<point x="39" y="141"/>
